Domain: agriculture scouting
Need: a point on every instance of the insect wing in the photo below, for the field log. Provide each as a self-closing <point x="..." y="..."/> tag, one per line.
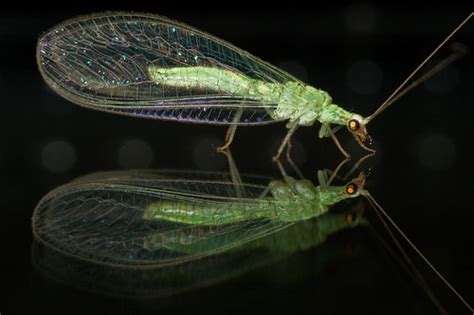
<point x="161" y="176"/>
<point x="103" y="62"/>
<point x="103" y="221"/>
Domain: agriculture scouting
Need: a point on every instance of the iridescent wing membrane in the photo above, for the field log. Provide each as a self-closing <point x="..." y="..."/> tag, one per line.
<point x="100" y="218"/>
<point x="103" y="62"/>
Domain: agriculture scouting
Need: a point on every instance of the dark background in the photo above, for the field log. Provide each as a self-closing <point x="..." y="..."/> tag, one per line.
<point x="422" y="174"/>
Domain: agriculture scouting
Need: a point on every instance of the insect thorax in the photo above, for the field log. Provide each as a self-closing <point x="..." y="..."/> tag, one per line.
<point x="301" y="104"/>
<point x="299" y="202"/>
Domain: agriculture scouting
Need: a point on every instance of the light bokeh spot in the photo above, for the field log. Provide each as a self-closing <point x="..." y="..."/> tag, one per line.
<point x="135" y="153"/>
<point x="364" y="77"/>
<point x="58" y="156"/>
<point x="360" y="18"/>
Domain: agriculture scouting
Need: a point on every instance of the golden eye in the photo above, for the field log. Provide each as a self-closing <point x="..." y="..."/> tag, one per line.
<point x="351" y="188"/>
<point x="353" y="125"/>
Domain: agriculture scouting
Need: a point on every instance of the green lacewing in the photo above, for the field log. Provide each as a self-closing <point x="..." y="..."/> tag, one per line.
<point x="148" y="66"/>
<point x="143" y="219"/>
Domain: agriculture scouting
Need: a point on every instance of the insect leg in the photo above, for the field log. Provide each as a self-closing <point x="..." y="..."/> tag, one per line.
<point x="336" y="129"/>
<point x="323" y="179"/>
<point x="234" y="174"/>
<point x="265" y="192"/>
<point x="347" y="159"/>
<point x="292" y="163"/>
<point x="283" y="144"/>
<point x="229" y="136"/>
<point x="282" y="171"/>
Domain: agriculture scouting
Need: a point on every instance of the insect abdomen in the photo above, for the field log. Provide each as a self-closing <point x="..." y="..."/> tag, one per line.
<point x="202" y="78"/>
<point x="206" y="214"/>
<point x="191" y="241"/>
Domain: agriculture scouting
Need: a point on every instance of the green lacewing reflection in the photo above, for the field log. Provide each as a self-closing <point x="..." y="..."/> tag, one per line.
<point x="148" y="219"/>
<point x="178" y="278"/>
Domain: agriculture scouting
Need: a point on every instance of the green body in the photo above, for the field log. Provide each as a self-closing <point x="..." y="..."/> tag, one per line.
<point x="299" y="103"/>
<point x="299" y="236"/>
<point x="289" y="202"/>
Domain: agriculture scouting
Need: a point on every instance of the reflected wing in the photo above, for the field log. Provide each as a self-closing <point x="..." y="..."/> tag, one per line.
<point x="161" y="176"/>
<point x="103" y="221"/>
<point x="104" y="62"/>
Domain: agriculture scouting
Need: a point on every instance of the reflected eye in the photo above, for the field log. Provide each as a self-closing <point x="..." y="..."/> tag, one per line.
<point x="353" y="125"/>
<point x="351" y="188"/>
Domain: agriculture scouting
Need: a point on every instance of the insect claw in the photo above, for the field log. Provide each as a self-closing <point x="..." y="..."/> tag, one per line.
<point x="222" y="149"/>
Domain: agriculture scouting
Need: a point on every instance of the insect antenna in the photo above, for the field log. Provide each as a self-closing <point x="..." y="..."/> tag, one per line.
<point x="381" y="213"/>
<point x="412" y="270"/>
<point x="459" y="51"/>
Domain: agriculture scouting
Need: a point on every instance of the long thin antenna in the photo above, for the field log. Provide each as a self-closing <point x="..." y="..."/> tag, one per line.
<point x="415" y="271"/>
<point x="459" y="51"/>
<point x="388" y="101"/>
<point x="369" y="197"/>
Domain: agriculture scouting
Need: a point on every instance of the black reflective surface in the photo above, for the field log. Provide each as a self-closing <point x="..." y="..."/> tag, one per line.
<point x="422" y="174"/>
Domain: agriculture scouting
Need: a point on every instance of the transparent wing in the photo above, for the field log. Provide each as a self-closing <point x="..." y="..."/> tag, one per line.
<point x="152" y="283"/>
<point x="162" y="176"/>
<point x="104" y="62"/>
<point x="102" y="220"/>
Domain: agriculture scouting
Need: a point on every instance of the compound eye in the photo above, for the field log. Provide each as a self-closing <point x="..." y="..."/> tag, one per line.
<point x="353" y="125"/>
<point x="351" y="188"/>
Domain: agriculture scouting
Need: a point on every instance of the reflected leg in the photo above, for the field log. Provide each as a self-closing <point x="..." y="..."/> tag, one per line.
<point x="292" y="163"/>
<point x="288" y="179"/>
<point x="234" y="174"/>
<point x="283" y="144"/>
<point x="324" y="181"/>
<point x="347" y="159"/>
